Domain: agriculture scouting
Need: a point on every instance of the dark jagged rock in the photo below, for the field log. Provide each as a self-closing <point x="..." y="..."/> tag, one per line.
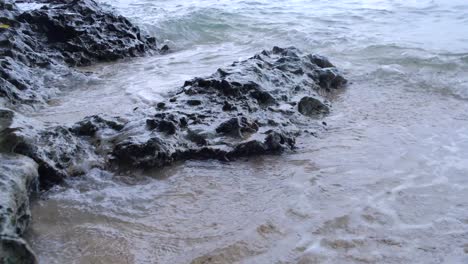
<point x="150" y="153"/>
<point x="18" y="177"/>
<point x="329" y="78"/>
<point x="71" y="32"/>
<point x="90" y="125"/>
<point x="271" y="98"/>
<point x="310" y="106"/>
<point x="59" y="151"/>
<point x="266" y="101"/>
<point x="237" y="127"/>
<point x="263" y="98"/>
<point x="273" y="143"/>
<point x="169" y="127"/>
<point x="228" y="107"/>
<point x="321" y="61"/>
<point x="82" y="32"/>
<point x="196" y="137"/>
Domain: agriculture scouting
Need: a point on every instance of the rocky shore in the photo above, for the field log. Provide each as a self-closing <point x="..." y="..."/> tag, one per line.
<point x="253" y="107"/>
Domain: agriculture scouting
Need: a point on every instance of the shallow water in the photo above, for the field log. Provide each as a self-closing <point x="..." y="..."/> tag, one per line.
<point x="386" y="183"/>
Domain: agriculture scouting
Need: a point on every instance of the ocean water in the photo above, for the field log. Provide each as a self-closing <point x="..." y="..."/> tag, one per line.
<point x="387" y="183"/>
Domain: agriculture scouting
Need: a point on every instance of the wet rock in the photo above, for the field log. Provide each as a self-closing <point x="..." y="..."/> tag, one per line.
<point x="83" y="32"/>
<point x="162" y="136"/>
<point x="258" y="98"/>
<point x="165" y="49"/>
<point x="237" y="127"/>
<point x="65" y="32"/>
<point x="161" y="105"/>
<point x="59" y="151"/>
<point x="310" y="106"/>
<point x="250" y="148"/>
<point x="228" y="106"/>
<point x="263" y="98"/>
<point x="196" y="137"/>
<point x="168" y="127"/>
<point x="277" y="142"/>
<point x="91" y="125"/>
<point x="18" y="178"/>
<point x="320" y="61"/>
<point x="331" y="79"/>
<point x="151" y="153"/>
<point x="194" y="102"/>
<point x="274" y="143"/>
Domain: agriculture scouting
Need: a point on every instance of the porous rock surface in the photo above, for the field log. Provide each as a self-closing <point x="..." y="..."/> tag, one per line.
<point x="35" y="42"/>
<point x="18" y="177"/>
<point x="247" y="108"/>
<point x="251" y="107"/>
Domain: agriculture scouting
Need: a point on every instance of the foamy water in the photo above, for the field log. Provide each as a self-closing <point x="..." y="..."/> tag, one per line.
<point x="387" y="183"/>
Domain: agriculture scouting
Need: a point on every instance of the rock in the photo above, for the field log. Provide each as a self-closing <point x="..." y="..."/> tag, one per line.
<point x="161" y="105"/>
<point x="194" y="102"/>
<point x="330" y="79"/>
<point x="62" y="32"/>
<point x="168" y="127"/>
<point x="228" y="106"/>
<point x="274" y="143"/>
<point x="18" y="178"/>
<point x="16" y="250"/>
<point x="277" y="142"/>
<point x="262" y="88"/>
<point x="148" y="154"/>
<point x="196" y="137"/>
<point x="320" y="61"/>
<point x="237" y="127"/>
<point x="263" y="98"/>
<point x="177" y="132"/>
<point x="310" y="106"/>
<point x="165" y="49"/>
<point x="160" y="137"/>
<point x="90" y="125"/>
<point x="83" y="32"/>
<point x="257" y="97"/>
<point x="59" y="151"/>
